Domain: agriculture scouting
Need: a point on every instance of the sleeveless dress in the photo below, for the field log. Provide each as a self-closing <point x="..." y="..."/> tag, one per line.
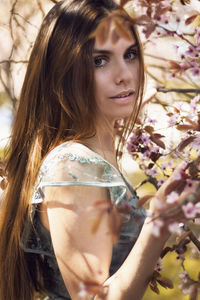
<point x="73" y="164"/>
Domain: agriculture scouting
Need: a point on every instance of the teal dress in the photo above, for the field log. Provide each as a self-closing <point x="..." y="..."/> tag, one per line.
<point x="75" y="164"/>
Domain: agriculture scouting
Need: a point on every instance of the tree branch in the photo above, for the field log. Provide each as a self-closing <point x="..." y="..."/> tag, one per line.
<point x="174" y="32"/>
<point x="12" y="61"/>
<point x="192" y="237"/>
<point x="166" y="90"/>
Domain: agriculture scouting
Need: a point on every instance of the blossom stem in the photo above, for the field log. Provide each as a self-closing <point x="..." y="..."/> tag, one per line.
<point x="192" y="237"/>
<point x="166" y="90"/>
<point x="176" y="33"/>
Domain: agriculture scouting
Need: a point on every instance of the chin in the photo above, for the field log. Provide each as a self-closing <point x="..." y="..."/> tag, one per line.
<point x="123" y="114"/>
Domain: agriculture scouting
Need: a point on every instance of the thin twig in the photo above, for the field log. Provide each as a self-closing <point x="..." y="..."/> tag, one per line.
<point x="153" y="76"/>
<point x="156" y="57"/>
<point x="192" y="237"/>
<point x="150" y="179"/>
<point x="11" y="18"/>
<point x="12" y="61"/>
<point x="174" y="210"/>
<point x="166" y="90"/>
<point x="27" y="21"/>
<point x="181" y="36"/>
<point x="41" y="8"/>
<point x="8" y="91"/>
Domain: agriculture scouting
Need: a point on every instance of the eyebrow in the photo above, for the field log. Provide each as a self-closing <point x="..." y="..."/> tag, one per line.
<point x="110" y="52"/>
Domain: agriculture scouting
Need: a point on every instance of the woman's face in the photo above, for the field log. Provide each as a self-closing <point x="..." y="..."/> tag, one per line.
<point x="116" y="77"/>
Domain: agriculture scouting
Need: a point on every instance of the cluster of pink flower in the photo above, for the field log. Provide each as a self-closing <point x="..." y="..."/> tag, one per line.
<point x="189" y="56"/>
<point x="188" y="285"/>
<point x="146" y="145"/>
<point x="162" y="18"/>
<point x="149" y="148"/>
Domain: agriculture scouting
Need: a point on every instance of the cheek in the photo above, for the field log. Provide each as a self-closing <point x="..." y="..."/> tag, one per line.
<point x="100" y="84"/>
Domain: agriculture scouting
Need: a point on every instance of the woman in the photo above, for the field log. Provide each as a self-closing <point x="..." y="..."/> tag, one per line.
<point x="57" y="233"/>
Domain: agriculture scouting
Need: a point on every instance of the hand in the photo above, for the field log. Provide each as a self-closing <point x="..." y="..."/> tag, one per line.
<point x="168" y="199"/>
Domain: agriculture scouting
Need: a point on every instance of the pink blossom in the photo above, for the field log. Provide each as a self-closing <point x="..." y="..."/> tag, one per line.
<point x="193" y="64"/>
<point x="175" y="228"/>
<point x="176" y="48"/>
<point x="169" y="163"/>
<point x="173" y="120"/>
<point x="145" y="139"/>
<point x="196" y="143"/>
<point x="195" y="100"/>
<point x="83" y="290"/>
<point x="160" y="181"/>
<point x="198" y="47"/>
<point x="181" y="172"/>
<point x="147" y="153"/>
<point x="151" y="121"/>
<point x="178" y="176"/>
<point x="195" y="71"/>
<point x="149" y="213"/>
<point x="197" y="35"/>
<point x="172" y="198"/>
<point x="163" y="167"/>
<point x="184" y="276"/>
<point x="155" y="149"/>
<point x="197" y="221"/>
<point x="159" y="264"/>
<point x="157" y="225"/>
<point x="184" y="65"/>
<point x="189" y="210"/>
<point x="133" y="138"/>
<point x="190" y="185"/>
<point x="187" y="290"/>
<point x="164" y="19"/>
<point x="132" y="143"/>
<point x="197" y="207"/>
<point x="192" y="52"/>
<point x="193" y="106"/>
<point x="186" y="155"/>
<point x="153" y="172"/>
<point x="131" y="147"/>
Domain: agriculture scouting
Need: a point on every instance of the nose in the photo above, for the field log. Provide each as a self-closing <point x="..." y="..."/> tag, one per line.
<point x="123" y="74"/>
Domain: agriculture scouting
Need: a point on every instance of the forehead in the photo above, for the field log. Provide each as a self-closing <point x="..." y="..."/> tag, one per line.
<point x="115" y="37"/>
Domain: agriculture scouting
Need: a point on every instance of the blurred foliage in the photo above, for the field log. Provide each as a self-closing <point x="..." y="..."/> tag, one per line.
<point x="171" y="265"/>
<point x="3" y="98"/>
<point x="171" y="270"/>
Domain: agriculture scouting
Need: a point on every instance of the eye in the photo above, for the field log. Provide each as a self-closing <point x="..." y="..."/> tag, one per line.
<point x="99" y="61"/>
<point x="131" y="55"/>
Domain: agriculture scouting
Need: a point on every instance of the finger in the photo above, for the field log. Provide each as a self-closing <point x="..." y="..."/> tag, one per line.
<point x="175" y="182"/>
<point x="189" y="191"/>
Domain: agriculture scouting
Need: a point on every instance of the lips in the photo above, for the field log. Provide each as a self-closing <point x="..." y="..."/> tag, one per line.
<point x="123" y="96"/>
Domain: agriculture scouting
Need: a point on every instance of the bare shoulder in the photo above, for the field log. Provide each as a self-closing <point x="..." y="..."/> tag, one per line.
<point x="71" y="209"/>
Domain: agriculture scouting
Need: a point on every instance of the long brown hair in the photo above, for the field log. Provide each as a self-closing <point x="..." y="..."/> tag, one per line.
<point x="56" y="104"/>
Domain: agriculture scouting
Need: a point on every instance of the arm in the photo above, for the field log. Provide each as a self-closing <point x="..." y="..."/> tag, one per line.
<point x="84" y="256"/>
<point x="81" y="254"/>
<point x="131" y="280"/>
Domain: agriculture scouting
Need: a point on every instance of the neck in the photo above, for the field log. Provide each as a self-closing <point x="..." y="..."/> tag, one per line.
<point x="103" y="143"/>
